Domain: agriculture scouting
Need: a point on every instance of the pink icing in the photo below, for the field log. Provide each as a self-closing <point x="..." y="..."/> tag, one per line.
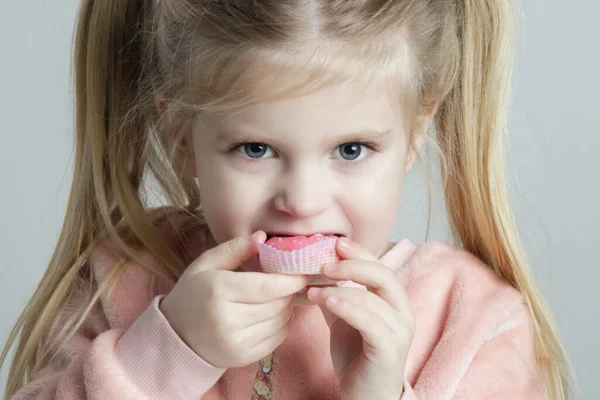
<point x="293" y="242"/>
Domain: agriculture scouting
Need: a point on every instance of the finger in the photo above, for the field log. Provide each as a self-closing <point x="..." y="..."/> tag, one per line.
<point x="377" y="337"/>
<point x="360" y="299"/>
<point x="231" y="254"/>
<point x="256" y="313"/>
<point x="254" y="334"/>
<point x="377" y="277"/>
<point x="269" y="344"/>
<point x="349" y="250"/>
<point x="380" y="332"/>
<point x="258" y="287"/>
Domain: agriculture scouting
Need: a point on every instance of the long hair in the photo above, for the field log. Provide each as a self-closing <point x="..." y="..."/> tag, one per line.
<point x="453" y="56"/>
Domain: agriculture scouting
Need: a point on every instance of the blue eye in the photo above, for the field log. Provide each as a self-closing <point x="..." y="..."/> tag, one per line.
<point x="254" y="150"/>
<point x="352" y="151"/>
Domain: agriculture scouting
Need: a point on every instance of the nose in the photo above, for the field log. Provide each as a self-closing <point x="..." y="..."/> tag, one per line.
<point x="303" y="194"/>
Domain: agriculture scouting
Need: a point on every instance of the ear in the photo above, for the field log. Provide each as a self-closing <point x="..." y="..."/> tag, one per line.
<point x="418" y="137"/>
<point x="177" y="136"/>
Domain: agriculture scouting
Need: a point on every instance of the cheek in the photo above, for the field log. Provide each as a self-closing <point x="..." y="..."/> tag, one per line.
<point x="231" y="201"/>
<point x="379" y="190"/>
<point x="375" y="206"/>
<point x="372" y="208"/>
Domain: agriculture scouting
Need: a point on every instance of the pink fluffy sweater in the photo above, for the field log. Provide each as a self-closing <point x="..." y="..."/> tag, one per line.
<point x="473" y="340"/>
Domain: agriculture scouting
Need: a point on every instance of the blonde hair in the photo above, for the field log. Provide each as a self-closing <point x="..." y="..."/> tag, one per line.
<point x="199" y="56"/>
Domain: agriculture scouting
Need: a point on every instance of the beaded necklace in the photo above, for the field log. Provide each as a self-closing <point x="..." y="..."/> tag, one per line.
<point x="263" y="386"/>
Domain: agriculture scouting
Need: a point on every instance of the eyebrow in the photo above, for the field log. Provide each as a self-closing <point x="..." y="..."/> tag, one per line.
<point x="371" y="134"/>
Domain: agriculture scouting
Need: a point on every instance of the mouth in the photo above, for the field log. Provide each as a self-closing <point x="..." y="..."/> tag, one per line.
<point x="288" y="234"/>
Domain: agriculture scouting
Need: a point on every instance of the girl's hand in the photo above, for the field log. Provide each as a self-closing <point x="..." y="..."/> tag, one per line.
<point x="371" y="330"/>
<point x="231" y="319"/>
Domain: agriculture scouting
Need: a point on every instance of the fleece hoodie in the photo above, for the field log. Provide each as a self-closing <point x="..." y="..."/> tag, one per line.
<point x="473" y="340"/>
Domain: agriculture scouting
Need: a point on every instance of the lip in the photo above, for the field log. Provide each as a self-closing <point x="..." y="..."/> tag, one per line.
<point x="271" y="234"/>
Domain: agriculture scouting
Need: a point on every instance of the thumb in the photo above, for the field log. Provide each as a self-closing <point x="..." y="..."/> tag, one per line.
<point x="349" y="250"/>
<point x="231" y="254"/>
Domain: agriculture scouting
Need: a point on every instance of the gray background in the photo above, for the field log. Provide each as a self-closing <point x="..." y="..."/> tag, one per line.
<point x="553" y="164"/>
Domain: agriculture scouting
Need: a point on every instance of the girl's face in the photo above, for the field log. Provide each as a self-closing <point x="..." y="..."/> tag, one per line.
<point x="332" y="161"/>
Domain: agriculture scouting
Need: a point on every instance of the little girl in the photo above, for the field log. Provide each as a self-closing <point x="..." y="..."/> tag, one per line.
<point x="263" y="119"/>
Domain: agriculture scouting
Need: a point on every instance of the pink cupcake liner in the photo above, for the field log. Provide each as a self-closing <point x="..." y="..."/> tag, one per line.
<point x="308" y="260"/>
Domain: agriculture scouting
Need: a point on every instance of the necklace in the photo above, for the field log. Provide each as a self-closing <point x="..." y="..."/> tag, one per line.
<point x="263" y="386"/>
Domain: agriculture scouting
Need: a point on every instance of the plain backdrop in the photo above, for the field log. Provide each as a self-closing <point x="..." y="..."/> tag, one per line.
<point x="553" y="160"/>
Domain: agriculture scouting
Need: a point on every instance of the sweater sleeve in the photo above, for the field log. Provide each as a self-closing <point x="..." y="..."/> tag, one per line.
<point x="474" y="336"/>
<point x="125" y="347"/>
<point x="502" y="369"/>
<point x="146" y="361"/>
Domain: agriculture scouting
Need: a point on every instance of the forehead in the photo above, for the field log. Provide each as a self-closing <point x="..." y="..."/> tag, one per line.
<point x="334" y="109"/>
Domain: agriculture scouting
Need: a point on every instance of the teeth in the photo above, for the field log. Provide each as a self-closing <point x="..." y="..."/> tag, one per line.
<point x="269" y="236"/>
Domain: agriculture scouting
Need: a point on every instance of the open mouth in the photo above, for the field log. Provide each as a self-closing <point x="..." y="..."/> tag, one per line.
<point x="274" y="234"/>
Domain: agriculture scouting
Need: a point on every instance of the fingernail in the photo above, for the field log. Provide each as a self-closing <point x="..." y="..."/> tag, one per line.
<point x="344" y="243"/>
<point x="257" y="237"/>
